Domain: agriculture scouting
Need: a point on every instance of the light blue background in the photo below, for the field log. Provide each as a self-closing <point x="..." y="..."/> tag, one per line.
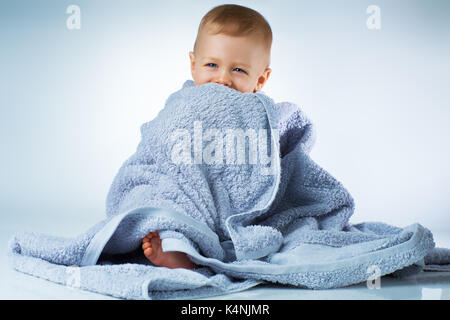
<point x="72" y="101"/>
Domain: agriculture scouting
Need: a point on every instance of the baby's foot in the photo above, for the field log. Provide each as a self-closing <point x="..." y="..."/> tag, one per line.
<point x="151" y="244"/>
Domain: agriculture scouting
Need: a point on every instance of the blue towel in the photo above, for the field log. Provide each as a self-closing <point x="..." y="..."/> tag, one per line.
<point x="226" y="177"/>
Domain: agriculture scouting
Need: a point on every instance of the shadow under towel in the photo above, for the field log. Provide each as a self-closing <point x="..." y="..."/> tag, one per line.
<point x="226" y="177"/>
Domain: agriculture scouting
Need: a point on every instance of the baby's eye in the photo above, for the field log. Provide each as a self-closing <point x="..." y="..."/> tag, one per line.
<point x="241" y="70"/>
<point x="212" y="65"/>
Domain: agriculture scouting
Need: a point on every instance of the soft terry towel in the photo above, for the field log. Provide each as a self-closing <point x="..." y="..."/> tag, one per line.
<point x="244" y="220"/>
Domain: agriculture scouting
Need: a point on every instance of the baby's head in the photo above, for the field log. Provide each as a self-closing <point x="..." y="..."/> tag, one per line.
<point x="232" y="48"/>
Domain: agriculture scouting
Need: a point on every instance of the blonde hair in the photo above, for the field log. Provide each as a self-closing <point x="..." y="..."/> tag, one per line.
<point x="235" y="20"/>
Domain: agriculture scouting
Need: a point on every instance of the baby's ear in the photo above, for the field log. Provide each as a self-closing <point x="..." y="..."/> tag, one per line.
<point x="263" y="79"/>
<point x="192" y="58"/>
<point x="267" y="72"/>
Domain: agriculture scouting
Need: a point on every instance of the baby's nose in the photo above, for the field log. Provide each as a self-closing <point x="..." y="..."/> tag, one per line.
<point x="224" y="80"/>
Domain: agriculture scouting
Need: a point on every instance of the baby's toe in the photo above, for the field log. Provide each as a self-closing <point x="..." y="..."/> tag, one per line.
<point x="146" y="245"/>
<point x="148" y="252"/>
<point x="154" y="234"/>
<point x="150" y="235"/>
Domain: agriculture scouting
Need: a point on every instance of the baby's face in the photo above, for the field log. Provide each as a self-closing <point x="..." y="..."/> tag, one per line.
<point x="240" y="63"/>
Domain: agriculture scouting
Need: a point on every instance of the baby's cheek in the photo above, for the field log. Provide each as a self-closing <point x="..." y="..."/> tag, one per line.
<point x="201" y="78"/>
<point x="246" y="87"/>
<point x="200" y="81"/>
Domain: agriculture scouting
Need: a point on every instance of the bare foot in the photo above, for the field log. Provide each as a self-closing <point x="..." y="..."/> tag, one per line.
<point x="151" y="244"/>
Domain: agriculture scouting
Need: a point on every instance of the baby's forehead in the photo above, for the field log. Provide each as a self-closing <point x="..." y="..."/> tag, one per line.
<point x="257" y="42"/>
<point x="256" y="47"/>
<point x="254" y="36"/>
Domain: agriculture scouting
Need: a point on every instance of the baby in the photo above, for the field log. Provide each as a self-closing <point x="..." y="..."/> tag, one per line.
<point x="232" y="48"/>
